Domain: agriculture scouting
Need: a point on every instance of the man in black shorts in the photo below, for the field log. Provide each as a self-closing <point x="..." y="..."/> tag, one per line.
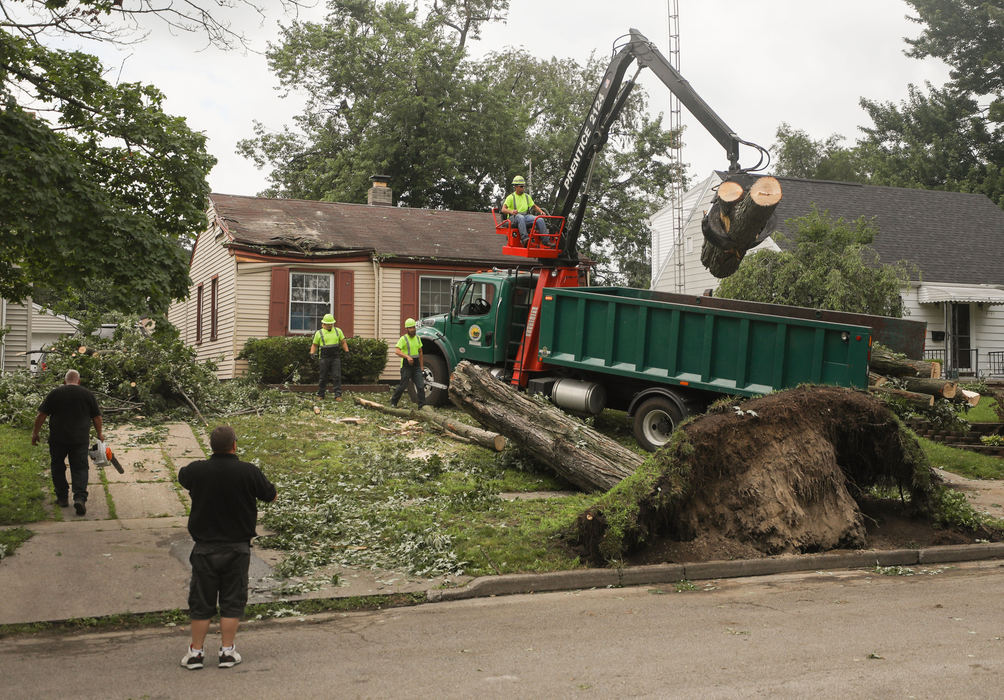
<point x="72" y="408"/>
<point x="224" y="494"/>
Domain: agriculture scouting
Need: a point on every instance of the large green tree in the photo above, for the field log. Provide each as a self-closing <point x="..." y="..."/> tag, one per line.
<point x="796" y="154"/>
<point x="100" y="189"/>
<point x="939" y="139"/>
<point x="969" y="36"/>
<point x="392" y="89"/>
<point x="830" y="265"/>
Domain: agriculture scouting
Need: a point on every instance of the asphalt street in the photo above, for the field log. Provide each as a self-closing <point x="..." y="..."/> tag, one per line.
<point x="925" y="632"/>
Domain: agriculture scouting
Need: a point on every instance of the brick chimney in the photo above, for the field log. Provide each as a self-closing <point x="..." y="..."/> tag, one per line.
<point x="380" y="193"/>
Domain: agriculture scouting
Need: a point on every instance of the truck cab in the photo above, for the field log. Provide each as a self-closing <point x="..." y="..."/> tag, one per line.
<point x="486" y="323"/>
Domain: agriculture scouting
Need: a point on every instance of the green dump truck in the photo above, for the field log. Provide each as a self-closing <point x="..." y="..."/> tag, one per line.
<point x="590" y="348"/>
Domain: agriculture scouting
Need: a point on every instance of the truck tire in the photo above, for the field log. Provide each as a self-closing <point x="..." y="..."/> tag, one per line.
<point x="435" y="370"/>
<point x="654" y="421"/>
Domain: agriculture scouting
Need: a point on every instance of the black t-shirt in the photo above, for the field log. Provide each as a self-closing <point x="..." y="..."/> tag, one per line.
<point x="224" y="494"/>
<point x="71" y="409"/>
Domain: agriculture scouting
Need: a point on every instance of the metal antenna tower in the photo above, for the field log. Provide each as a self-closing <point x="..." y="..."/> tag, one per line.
<point x="676" y="124"/>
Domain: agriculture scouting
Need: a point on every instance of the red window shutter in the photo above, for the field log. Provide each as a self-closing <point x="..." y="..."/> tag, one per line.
<point x="409" y="295"/>
<point x="278" y="302"/>
<point x="214" y="324"/>
<point x="345" y="298"/>
<point x="198" y="315"/>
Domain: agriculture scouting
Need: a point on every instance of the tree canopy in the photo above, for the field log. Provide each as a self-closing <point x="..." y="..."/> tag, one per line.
<point x="100" y="189"/>
<point x="393" y="90"/>
<point x="830" y="265"/>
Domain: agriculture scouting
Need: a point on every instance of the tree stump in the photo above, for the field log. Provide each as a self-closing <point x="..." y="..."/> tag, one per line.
<point x="575" y="451"/>
<point x="735" y="223"/>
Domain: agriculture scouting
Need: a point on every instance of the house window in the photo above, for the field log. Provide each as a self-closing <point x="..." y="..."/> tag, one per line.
<point x="198" y="314"/>
<point x="310" y="297"/>
<point x="214" y="289"/>
<point x="434" y="296"/>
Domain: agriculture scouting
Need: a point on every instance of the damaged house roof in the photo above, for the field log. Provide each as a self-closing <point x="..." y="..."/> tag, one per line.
<point x="309" y="228"/>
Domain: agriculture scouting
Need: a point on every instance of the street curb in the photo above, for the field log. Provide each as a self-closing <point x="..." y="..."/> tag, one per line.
<point x="512" y="584"/>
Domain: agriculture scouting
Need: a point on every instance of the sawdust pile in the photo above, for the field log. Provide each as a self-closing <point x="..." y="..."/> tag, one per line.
<point x="779" y="474"/>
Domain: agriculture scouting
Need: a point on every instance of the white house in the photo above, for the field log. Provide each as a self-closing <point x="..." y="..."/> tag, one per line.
<point x="956" y="240"/>
<point x="30" y="328"/>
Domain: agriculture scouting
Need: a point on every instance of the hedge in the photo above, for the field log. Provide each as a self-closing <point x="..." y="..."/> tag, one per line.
<point x="284" y="359"/>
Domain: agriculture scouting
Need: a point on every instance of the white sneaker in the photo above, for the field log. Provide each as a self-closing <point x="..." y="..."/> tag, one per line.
<point x="229" y="658"/>
<point x="193" y="659"/>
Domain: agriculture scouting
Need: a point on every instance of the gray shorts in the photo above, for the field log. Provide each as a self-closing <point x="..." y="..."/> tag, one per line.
<point x="219" y="574"/>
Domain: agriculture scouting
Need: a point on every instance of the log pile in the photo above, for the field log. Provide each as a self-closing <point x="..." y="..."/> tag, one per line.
<point x="917" y="382"/>
<point x="736" y="222"/>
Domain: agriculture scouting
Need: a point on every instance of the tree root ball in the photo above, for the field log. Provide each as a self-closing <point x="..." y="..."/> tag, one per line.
<point x="778" y="474"/>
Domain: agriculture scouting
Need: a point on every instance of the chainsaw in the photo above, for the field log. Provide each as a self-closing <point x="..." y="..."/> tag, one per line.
<point x="102" y="456"/>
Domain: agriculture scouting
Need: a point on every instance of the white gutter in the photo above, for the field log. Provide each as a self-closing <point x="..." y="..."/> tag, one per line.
<point x="377" y="280"/>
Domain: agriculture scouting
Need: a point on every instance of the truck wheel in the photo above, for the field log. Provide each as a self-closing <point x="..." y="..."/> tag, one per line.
<point x="435" y="371"/>
<point x="654" y="421"/>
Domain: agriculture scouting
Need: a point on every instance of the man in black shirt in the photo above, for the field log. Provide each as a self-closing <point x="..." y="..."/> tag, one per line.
<point x="224" y="494"/>
<point x="72" y="408"/>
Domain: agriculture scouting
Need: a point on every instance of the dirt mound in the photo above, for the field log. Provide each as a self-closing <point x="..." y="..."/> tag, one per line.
<point x="779" y="474"/>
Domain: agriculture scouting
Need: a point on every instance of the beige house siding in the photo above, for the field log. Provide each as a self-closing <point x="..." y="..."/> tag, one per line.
<point x="15" y="343"/>
<point x="211" y="259"/>
<point x="254" y="283"/>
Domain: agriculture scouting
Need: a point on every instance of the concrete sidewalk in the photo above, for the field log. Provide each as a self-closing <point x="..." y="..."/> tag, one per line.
<point x="129" y="553"/>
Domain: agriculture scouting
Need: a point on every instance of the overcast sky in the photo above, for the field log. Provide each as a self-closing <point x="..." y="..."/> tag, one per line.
<point x="756" y="64"/>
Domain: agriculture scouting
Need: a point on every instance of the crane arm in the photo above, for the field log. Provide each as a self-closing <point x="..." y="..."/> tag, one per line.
<point x="571" y="196"/>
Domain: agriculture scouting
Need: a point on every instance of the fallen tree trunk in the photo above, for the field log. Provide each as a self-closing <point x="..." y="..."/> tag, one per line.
<point x="484" y="438"/>
<point x="938" y="388"/>
<point x="578" y="453"/>
<point x="911" y="397"/>
<point x="735" y="222"/>
<point x="886" y="362"/>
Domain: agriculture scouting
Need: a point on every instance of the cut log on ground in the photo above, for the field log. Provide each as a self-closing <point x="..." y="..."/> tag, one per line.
<point x="970" y="397"/>
<point x="938" y="388"/>
<point x="876" y="379"/>
<point x="885" y="361"/>
<point x="911" y="397"/>
<point x="575" y="451"/>
<point x="484" y="438"/>
<point x="735" y="223"/>
<point x="783" y="477"/>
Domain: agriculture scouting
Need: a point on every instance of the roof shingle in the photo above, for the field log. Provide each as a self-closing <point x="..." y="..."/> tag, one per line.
<point x="950" y="236"/>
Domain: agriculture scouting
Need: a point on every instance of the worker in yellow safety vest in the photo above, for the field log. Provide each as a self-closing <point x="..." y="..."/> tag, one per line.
<point x="518" y="206"/>
<point x="409" y="349"/>
<point x="331" y="342"/>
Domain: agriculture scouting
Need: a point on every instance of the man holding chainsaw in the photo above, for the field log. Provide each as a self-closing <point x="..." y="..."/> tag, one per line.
<point x="73" y="409"/>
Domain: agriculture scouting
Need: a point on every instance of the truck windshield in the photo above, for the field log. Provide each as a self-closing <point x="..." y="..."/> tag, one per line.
<point x="476" y="298"/>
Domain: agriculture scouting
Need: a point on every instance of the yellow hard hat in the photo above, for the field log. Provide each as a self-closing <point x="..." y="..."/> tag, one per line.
<point x="410" y="323"/>
<point x="328" y="318"/>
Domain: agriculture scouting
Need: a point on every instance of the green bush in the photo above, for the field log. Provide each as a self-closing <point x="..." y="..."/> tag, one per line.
<point x="283" y="359"/>
<point x="131" y="366"/>
<point x="366" y="359"/>
<point x="280" y="359"/>
<point x="20" y="396"/>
